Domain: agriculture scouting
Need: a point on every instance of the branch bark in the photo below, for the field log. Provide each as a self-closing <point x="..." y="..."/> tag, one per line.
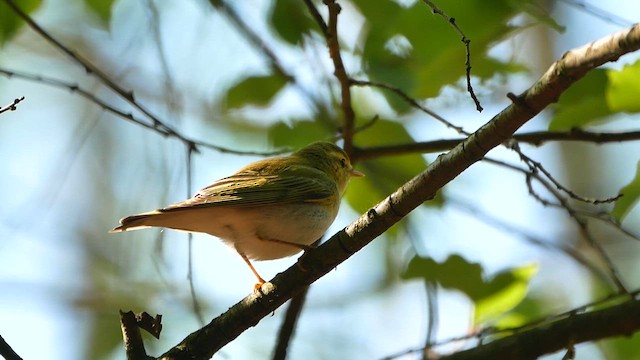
<point x="618" y="320"/>
<point x="203" y="343"/>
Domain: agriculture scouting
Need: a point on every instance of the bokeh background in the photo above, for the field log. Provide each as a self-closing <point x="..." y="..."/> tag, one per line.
<point x="70" y="170"/>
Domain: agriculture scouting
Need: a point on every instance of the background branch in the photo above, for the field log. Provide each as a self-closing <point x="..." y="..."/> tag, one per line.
<point x="617" y="320"/>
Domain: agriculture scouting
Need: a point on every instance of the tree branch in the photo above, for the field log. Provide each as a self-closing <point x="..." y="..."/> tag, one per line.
<point x="12" y="106"/>
<point x="203" y="343"/>
<point x="536" y="138"/>
<point x="7" y="352"/>
<point x="340" y="73"/>
<point x="617" y="320"/>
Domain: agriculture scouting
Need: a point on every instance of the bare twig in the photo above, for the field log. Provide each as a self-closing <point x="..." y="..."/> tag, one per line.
<point x="341" y="74"/>
<point x="133" y="345"/>
<point x="573" y="214"/>
<point x="12" y="106"/>
<point x="316" y="16"/>
<point x="466" y="41"/>
<point x="411" y="101"/>
<point x="536" y="166"/>
<point x="289" y="324"/>
<point x="253" y="38"/>
<point x="526" y="236"/>
<point x="536" y="138"/>
<point x="73" y="87"/>
<point x="197" y="309"/>
<point x="90" y="68"/>
<point x="599" y="12"/>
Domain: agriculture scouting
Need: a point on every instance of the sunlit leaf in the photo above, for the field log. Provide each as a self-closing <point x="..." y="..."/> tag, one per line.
<point x="492" y="297"/>
<point x="502" y="293"/>
<point x="255" y="90"/>
<point x="102" y="8"/>
<point x="630" y="196"/>
<point x="583" y="103"/>
<point x="10" y="22"/>
<point x="624" y="89"/>
<point x="290" y="19"/>
<point x="435" y="55"/>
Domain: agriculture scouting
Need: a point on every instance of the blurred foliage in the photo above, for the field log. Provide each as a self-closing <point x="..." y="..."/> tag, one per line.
<point x="624" y="89"/>
<point x="9" y="22"/>
<point x="583" y="103"/>
<point x="102" y="8"/>
<point x="255" y="90"/>
<point x="493" y="297"/>
<point x="630" y="195"/>
<point x="291" y="21"/>
<point x="597" y="96"/>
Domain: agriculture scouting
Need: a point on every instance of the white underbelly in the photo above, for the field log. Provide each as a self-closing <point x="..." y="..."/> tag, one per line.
<point x="249" y="230"/>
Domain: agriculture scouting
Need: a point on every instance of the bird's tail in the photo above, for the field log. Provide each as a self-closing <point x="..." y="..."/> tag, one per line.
<point x="135" y="222"/>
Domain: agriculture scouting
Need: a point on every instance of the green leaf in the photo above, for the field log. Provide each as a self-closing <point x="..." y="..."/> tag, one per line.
<point x="290" y="19"/>
<point x="383" y="175"/>
<point x="631" y="194"/>
<point x="10" y="23"/>
<point x="506" y="290"/>
<point x="298" y="134"/>
<point x="102" y="8"/>
<point x="435" y="56"/>
<point x="454" y="273"/>
<point x="492" y="297"/>
<point x="583" y="103"/>
<point x="624" y="89"/>
<point x="255" y="90"/>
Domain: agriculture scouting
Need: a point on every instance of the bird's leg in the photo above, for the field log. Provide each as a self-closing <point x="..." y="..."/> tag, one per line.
<point x="302" y="247"/>
<point x="261" y="281"/>
<point x="282" y="242"/>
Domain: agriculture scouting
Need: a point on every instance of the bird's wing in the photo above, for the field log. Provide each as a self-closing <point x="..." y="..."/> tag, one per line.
<point x="248" y="189"/>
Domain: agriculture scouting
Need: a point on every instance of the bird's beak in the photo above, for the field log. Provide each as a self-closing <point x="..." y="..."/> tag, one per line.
<point x="356" y="173"/>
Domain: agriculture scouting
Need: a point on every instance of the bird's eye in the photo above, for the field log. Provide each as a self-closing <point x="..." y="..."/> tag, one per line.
<point x="343" y="162"/>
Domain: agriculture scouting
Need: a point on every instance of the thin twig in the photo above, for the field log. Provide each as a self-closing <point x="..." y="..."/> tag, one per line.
<point x="564" y="204"/>
<point x="526" y="236"/>
<point x="411" y="101"/>
<point x="90" y="68"/>
<point x="599" y="13"/>
<point x="535" y="138"/>
<point x="466" y="41"/>
<point x="316" y="16"/>
<point x="197" y="309"/>
<point x="340" y="73"/>
<point x="287" y="329"/>
<point x="536" y="166"/>
<point x="73" y="87"/>
<point x="12" y="106"/>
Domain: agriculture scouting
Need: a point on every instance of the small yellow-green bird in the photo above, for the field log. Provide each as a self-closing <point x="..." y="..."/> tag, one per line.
<point x="269" y="209"/>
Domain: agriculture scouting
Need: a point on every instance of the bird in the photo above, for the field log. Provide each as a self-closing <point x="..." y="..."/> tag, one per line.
<point x="269" y="209"/>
